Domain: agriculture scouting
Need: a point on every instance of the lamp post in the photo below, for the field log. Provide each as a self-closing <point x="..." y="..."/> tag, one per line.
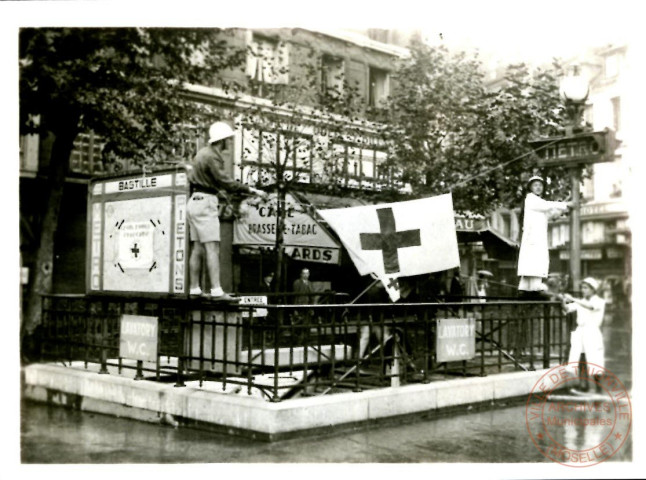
<point x="574" y="92"/>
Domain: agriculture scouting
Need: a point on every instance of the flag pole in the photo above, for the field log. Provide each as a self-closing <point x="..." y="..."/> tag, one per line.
<point x="365" y="290"/>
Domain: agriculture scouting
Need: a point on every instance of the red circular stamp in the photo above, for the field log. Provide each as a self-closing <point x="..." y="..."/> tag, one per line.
<point x="578" y="428"/>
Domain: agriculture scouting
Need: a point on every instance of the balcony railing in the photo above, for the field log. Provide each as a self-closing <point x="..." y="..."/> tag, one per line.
<point x="301" y="350"/>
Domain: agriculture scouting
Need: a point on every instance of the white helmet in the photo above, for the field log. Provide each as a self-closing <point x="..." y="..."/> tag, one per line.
<point x="219" y="131"/>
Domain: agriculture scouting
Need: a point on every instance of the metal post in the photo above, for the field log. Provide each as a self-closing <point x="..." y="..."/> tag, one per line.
<point x="575" y="229"/>
<point x="103" y="339"/>
<point x="547" y="322"/>
<point x="181" y="344"/>
<point x="140" y="372"/>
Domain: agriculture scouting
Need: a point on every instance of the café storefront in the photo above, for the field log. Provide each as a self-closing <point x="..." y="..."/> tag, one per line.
<point x="309" y="243"/>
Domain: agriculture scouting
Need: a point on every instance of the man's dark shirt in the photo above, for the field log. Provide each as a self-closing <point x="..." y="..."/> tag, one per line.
<point x="304" y="287"/>
<point x="208" y="175"/>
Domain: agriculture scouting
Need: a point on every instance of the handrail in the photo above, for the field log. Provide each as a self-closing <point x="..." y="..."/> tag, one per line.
<point x="335" y="347"/>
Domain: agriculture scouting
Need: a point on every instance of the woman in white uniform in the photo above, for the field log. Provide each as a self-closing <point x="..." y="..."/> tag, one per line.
<point x="587" y="337"/>
<point x="533" y="258"/>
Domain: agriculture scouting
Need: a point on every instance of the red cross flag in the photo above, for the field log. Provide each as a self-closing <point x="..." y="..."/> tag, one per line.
<point x="398" y="239"/>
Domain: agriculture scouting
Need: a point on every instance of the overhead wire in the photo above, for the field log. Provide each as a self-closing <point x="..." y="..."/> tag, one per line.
<point x="501" y="165"/>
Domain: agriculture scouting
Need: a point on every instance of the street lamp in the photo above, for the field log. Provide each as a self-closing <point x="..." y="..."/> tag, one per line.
<point x="574" y="91"/>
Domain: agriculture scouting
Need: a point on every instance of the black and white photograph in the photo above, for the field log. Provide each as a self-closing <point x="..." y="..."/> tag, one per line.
<point x="363" y="235"/>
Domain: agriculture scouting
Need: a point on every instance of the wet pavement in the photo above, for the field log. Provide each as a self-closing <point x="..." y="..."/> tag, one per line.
<point x="58" y="435"/>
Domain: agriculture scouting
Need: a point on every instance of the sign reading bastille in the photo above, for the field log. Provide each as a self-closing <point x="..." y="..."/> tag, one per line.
<point x="137" y="233"/>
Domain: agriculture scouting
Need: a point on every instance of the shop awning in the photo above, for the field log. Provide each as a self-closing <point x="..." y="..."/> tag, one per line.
<point x="471" y="230"/>
<point x="497" y="245"/>
<point x="304" y="237"/>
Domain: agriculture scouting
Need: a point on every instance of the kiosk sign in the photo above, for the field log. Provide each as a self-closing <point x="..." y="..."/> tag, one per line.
<point x="581" y="148"/>
<point x="254" y="300"/>
<point x="455" y="339"/>
<point x="304" y="238"/>
<point x="138" y="338"/>
<point x="137" y="234"/>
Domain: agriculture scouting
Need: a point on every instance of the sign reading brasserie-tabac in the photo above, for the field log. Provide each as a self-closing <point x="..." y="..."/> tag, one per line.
<point x="138" y="338"/>
<point x="455" y="339"/>
<point x="304" y="238"/>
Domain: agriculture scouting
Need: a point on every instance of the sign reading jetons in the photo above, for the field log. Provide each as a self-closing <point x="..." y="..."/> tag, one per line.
<point x="455" y="339"/>
<point x="138" y="338"/>
<point x="136" y="234"/>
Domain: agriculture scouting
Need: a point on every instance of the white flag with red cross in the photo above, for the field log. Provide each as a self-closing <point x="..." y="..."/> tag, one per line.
<point x="398" y="239"/>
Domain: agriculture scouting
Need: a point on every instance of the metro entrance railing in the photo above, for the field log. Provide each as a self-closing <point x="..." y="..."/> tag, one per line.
<point x="301" y="350"/>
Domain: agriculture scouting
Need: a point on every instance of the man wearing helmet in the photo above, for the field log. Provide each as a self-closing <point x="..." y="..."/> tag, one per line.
<point x="533" y="258"/>
<point x="207" y="176"/>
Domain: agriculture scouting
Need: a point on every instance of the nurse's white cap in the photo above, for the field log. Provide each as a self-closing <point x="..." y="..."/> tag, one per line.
<point x="593" y="283"/>
<point x="534" y="178"/>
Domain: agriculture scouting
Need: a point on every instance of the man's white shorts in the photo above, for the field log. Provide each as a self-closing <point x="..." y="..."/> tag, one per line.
<point x="202" y="215"/>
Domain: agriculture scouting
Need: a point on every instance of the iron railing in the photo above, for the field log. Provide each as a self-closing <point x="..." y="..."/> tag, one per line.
<point x="281" y="351"/>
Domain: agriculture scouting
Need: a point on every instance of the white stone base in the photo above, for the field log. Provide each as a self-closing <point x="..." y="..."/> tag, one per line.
<point x="227" y="410"/>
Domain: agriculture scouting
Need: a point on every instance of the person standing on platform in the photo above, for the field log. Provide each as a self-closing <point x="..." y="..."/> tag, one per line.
<point x="533" y="258"/>
<point x="304" y="296"/>
<point x="482" y="284"/>
<point x="304" y="287"/>
<point x="587" y="338"/>
<point x="267" y="284"/>
<point x="453" y="285"/>
<point x="208" y="178"/>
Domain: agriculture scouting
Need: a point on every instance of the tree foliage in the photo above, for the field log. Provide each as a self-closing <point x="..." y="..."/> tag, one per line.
<point x="289" y="137"/>
<point x="122" y="83"/>
<point x="125" y="84"/>
<point x="446" y="126"/>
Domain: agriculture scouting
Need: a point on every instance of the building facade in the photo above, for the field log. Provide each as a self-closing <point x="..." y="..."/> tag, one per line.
<point x="353" y="158"/>
<point x="605" y="222"/>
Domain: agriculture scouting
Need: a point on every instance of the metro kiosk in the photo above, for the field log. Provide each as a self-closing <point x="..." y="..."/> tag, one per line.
<point x="137" y="239"/>
<point x="137" y="244"/>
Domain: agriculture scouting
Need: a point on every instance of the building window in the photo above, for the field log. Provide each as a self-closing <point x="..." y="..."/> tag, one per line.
<point x="616" y="113"/>
<point x="588" y="114"/>
<point x="355" y="166"/>
<point x="505" y="224"/>
<point x="86" y="155"/>
<point x="593" y="232"/>
<point x="612" y="66"/>
<point x="378" y="86"/>
<point x="262" y="151"/>
<point x="29" y="154"/>
<point x="616" y="191"/>
<point x="332" y="75"/>
<point x="267" y="62"/>
<point x="378" y="34"/>
<point x="588" y="189"/>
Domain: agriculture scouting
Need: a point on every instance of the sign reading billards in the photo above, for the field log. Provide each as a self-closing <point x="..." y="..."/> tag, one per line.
<point x="455" y="339"/>
<point x="138" y="338"/>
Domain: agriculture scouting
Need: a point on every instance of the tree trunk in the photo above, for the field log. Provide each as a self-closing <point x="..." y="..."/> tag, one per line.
<point x="280" y="237"/>
<point x="43" y="267"/>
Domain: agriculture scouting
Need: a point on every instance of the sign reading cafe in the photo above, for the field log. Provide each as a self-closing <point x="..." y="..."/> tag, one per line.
<point x="304" y="238"/>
